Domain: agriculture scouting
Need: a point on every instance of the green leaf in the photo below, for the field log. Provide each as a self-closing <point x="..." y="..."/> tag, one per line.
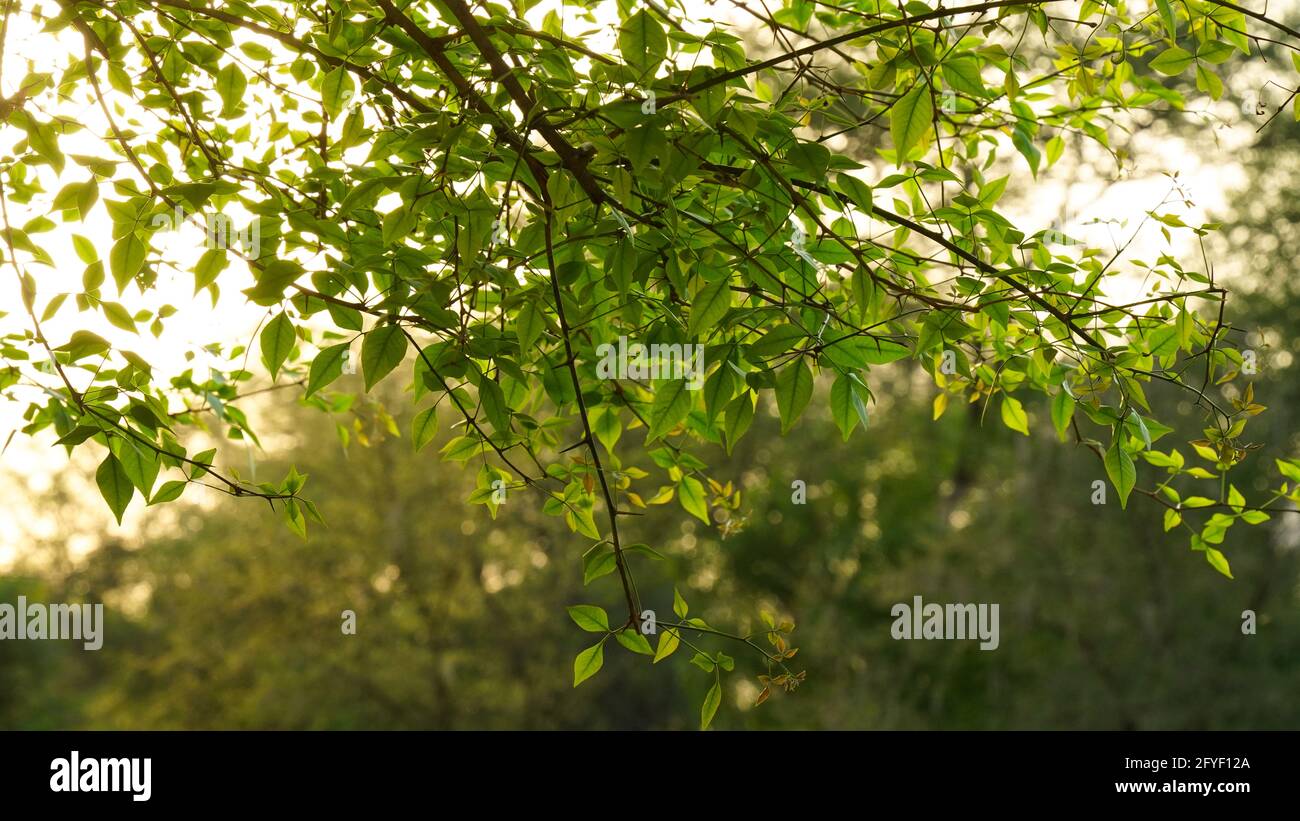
<point x="910" y="119"/>
<point x="126" y="259"/>
<point x="1055" y="147"/>
<point x="776" y="341"/>
<point x="1142" y="428"/>
<point x="1168" y="19"/>
<point x="398" y="223"/>
<point x="1218" y="561"/>
<point x="691" y="495"/>
<point x="711" y="702"/>
<point x="85" y="249"/>
<point x="963" y="74"/>
<point x="462" y="448"/>
<point x="277" y="340"/>
<point x="642" y="43"/>
<point x="590" y="618"/>
<point x="1289" y="468"/>
<point x="634" y="641"/>
<point x="598" y="562"/>
<point x="383" y="349"/>
<point x="588" y="662"/>
<point x="83" y="344"/>
<point x="231" y="85"/>
<point x="169" y="492"/>
<point x="1209" y="82"/>
<point x="424" y="427"/>
<point x="711" y="304"/>
<point x="529" y="325"/>
<point x="80" y="434"/>
<point x="671" y="404"/>
<point x="336" y="90"/>
<point x="621" y="262"/>
<point x="668" y="643"/>
<point x="78" y="196"/>
<point x="115" y="485"/>
<point x="1024" y="143"/>
<point x="679" y="604"/>
<point x="1172" y="519"/>
<point x="139" y="463"/>
<point x="257" y="51"/>
<point x="1121" y="470"/>
<point x="810" y="158"/>
<point x="1172" y="60"/>
<point x="793" y="390"/>
<point x="858" y="192"/>
<point x="718" y="390"/>
<point x="326" y="367"/>
<point x="208" y="268"/>
<point x="204" y="461"/>
<point x="272" y="279"/>
<point x="606" y="426"/>
<point x="1235" y="500"/>
<point x="44" y="140"/>
<point x="847" y="407"/>
<point x="1213" y="51"/>
<point x="1013" y="414"/>
<point x="117" y="314"/>
<point x="494" y="404"/>
<point x="1062" y="413"/>
<point x="739" y="416"/>
<point x="880" y="351"/>
<point x="647" y="550"/>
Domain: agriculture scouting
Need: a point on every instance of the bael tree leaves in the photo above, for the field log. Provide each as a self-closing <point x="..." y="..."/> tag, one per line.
<point x="115" y="485"/>
<point x="588" y="662"/>
<point x="510" y="200"/>
<point x="710" y="306"/>
<point x="642" y="43"/>
<point x="794" y="384"/>
<point x="910" y="119"/>
<point x="590" y="618"/>
<point x="672" y="402"/>
<point x="1120" y="469"/>
<point x="381" y="351"/>
<point x="277" y="341"/>
<point x="326" y="367"/>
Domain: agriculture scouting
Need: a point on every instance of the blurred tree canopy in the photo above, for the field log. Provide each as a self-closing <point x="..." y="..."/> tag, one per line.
<point x="529" y="225"/>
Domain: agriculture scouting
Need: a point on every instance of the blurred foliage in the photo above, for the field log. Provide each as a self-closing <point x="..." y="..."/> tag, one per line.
<point x="222" y="620"/>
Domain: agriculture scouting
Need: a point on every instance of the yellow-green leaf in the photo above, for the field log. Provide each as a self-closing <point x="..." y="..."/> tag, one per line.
<point x="382" y="351"/>
<point x="590" y="618"/>
<point x="114" y="485"/>
<point x="588" y="662"/>
<point x="1014" y="416"/>
<point x="1120" y="469"/>
<point x="277" y="342"/>
<point x="424" y="427"/>
<point x="710" y="708"/>
<point x="793" y="390"/>
<point x="910" y="119"/>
